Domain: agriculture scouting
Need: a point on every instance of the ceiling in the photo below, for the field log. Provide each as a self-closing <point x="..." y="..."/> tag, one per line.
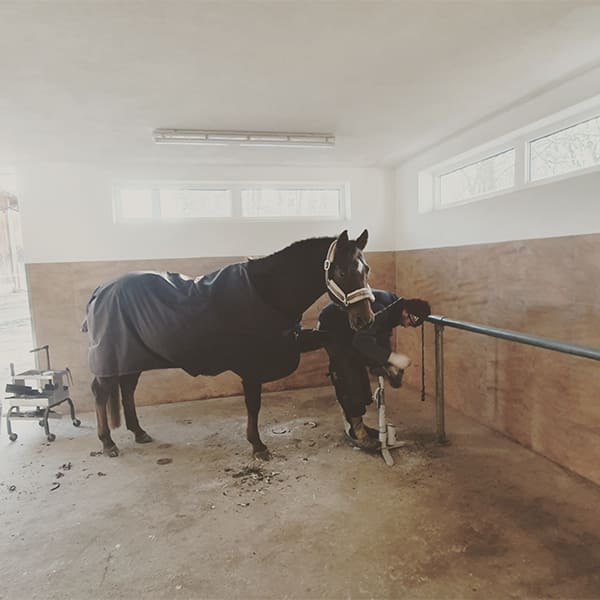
<point x="90" y="79"/>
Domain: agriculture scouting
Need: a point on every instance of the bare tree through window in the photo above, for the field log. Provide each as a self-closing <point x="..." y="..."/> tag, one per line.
<point x="489" y="175"/>
<point x="290" y="203"/>
<point x="571" y="149"/>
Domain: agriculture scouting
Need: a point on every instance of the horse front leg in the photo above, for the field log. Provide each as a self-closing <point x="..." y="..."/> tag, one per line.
<point x="102" y="388"/>
<point x="128" y="384"/>
<point x="252" y="395"/>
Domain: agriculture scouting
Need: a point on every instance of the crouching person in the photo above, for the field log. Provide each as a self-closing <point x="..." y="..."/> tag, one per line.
<point x="353" y="353"/>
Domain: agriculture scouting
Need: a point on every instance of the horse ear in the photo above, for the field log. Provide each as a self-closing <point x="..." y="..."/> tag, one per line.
<point x="361" y="242"/>
<point x="342" y="239"/>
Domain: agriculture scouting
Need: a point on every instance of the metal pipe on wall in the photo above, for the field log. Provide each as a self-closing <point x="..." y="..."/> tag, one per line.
<point x="516" y="336"/>
<point x="439" y="384"/>
<point x="506" y="334"/>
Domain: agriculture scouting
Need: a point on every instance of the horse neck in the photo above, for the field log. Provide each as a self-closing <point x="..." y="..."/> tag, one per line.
<point x="293" y="278"/>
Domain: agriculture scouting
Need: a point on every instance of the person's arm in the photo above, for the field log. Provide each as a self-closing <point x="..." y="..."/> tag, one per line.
<point x="394" y="312"/>
<point x="311" y="339"/>
<point x="334" y="321"/>
<point x="408" y="312"/>
<point x="365" y="342"/>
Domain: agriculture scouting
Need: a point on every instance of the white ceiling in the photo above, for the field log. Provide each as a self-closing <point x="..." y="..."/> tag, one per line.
<point x="90" y="79"/>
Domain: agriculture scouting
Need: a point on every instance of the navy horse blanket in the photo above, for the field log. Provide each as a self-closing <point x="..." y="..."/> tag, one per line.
<point x="206" y="325"/>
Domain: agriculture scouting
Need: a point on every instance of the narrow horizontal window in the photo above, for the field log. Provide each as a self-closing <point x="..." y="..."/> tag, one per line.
<point x="484" y="177"/>
<point x="281" y="202"/>
<point x="172" y="203"/>
<point x="205" y="204"/>
<point x="230" y="200"/>
<point x="135" y="204"/>
<point x="570" y="149"/>
<point x="559" y="146"/>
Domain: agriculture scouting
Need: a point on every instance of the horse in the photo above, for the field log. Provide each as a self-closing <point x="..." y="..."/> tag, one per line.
<point x="244" y="318"/>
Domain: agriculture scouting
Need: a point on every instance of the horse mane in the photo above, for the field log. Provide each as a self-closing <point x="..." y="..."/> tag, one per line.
<point x="291" y="279"/>
<point x="294" y="250"/>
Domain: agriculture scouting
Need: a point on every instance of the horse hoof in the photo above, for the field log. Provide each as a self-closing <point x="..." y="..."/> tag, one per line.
<point x="111" y="452"/>
<point x="367" y="443"/>
<point x="143" y="438"/>
<point x="372" y="433"/>
<point x="262" y="454"/>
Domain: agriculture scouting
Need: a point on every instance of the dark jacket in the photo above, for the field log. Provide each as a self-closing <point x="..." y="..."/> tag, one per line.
<point x="373" y="343"/>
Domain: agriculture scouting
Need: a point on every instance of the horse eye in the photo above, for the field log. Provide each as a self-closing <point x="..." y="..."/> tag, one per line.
<point x="340" y="271"/>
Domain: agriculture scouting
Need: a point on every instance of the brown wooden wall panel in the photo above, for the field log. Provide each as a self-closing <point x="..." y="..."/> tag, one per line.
<point x="547" y="401"/>
<point x="59" y="293"/>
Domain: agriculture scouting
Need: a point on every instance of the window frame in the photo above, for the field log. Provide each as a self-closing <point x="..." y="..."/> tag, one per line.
<point x="429" y="186"/>
<point x="235" y="188"/>
<point x="557" y="127"/>
<point x="487" y="155"/>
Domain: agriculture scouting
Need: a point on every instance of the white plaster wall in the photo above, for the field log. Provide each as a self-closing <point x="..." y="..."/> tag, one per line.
<point x="567" y="207"/>
<point x="67" y="213"/>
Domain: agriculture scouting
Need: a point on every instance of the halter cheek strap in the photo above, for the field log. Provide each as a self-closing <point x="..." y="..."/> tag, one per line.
<point x="337" y="292"/>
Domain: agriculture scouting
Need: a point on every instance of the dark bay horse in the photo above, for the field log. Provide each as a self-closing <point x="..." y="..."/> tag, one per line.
<point x="244" y="318"/>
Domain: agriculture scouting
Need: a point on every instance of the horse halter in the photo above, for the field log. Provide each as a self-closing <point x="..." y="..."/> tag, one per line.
<point x="336" y="291"/>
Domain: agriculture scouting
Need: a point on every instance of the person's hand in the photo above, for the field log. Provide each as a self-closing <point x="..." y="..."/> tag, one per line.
<point x="400" y="361"/>
<point x="417" y="311"/>
<point x="393" y="375"/>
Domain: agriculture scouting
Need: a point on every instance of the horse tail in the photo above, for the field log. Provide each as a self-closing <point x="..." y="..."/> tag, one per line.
<point x="114" y="407"/>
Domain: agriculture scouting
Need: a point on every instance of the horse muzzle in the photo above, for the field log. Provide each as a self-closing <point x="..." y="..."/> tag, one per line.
<point x="360" y="315"/>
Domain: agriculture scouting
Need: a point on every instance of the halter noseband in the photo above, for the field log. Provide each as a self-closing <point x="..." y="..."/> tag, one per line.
<point x="336" y="291"/>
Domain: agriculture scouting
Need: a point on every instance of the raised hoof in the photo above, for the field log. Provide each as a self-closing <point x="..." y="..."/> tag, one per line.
<point x="372" y="433"/>
<point x="367" y="443"/>
<point x="262" y="454"/>
<point x="143" y="438"/>
<point x="111" y="452"/>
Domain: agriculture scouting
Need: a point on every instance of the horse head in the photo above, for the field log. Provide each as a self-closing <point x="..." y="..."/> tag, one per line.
<point x="346" y="275"/>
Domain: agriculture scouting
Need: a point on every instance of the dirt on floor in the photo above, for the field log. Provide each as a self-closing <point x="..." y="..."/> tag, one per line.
<point x="192" y="515"/>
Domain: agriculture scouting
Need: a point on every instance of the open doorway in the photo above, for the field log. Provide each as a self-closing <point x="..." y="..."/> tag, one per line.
<point x="15" y="318"/>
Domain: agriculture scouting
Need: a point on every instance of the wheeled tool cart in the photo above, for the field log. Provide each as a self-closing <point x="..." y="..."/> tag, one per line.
<point x="35" y="393"/>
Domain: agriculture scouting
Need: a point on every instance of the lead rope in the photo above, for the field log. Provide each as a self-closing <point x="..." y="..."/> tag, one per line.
<point x="423" y="362"/>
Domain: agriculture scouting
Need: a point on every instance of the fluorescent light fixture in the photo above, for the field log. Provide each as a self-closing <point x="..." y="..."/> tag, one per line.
<point x="243" y="138"/>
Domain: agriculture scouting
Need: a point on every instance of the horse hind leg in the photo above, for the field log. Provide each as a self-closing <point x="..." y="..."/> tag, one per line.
<point x="128" y="384"/>
<point x="103" y="389"/>
<point x="252" y="396"/>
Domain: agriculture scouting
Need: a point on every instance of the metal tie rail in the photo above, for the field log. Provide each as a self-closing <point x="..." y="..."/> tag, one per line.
<point x="506" y="334"/>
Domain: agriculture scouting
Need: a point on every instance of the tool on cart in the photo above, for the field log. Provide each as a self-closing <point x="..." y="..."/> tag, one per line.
<point x="387" y="431"/>
<point x="38" y="391"/>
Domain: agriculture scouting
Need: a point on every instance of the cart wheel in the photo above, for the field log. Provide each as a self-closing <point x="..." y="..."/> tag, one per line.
<point x="12" y="437"/>
<point x="41" y="422"/>
<point x="51" y="437"/>
<point x="76" y="422"/>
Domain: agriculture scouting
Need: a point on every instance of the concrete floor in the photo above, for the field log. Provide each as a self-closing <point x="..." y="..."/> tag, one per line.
<point x="481" y="518"/>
